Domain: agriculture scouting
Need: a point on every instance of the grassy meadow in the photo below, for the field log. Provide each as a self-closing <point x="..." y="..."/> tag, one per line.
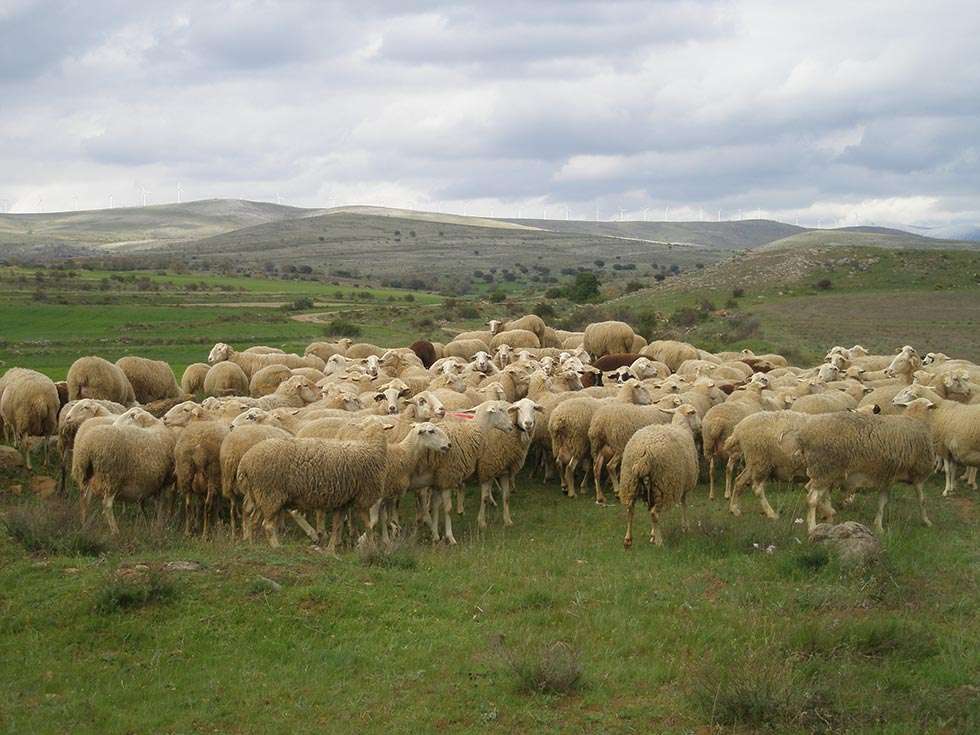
<point x="548" y="626"/>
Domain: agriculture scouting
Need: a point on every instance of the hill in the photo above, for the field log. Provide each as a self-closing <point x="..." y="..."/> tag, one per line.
<point x="876" y="237"/>
<point x="736" y="235"/>
<point x="387" y="245"/>
<point x="134" y="227"/>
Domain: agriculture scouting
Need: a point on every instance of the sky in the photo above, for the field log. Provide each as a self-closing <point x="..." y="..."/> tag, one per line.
<point x="822" y="113"/>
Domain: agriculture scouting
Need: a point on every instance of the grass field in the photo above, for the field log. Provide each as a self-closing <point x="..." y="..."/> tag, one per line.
<point x="736" y="626"/>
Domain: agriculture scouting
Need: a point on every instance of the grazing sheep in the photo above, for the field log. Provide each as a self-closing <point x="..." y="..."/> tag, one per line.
<point x="93" y="377"/>
<point x="517" y="338"/>
<point x="954" y="427"/>
<point x="70" y="419"/>
<point x="504" y="454"/>
<point x="610" y="430"/>
<point x="29" y="407"/>
<point x="717" y="426"/>
<point x="826" y="402"/>
<point x="132" y="459"/>
<point x="767" y="443"/>
<point x="549" y="338"/>
<point x="608" y="338"/>
<point x="468" y="434"/>
<point x="294" y="392"/>
<point x="226" y="379"/>
<point x="529" y="323"/>
<point x="670" y="352"/>
<point x="152" y="380"/>
<point x="660" y="463"/>
<point x="250" y="362"/>
<point x="855" y="450"/>
<point x="569" y="429"/>
<point x="426" y="352"/>
<point x="265" y="380"/>
<point x="361" y="350"/>
<point x="240" y="438"/>
<point x="192" y="381"/>
<point x="312" y="475"/>
<point x="326" y="350"/>
<point x="465" y="348"/>
<point x="197" y="468"/>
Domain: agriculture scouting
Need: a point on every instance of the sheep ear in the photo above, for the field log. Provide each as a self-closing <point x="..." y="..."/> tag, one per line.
<point x="404" y="392"/>
<point x="387" y="427"/>
<point x="379" y="396"/>
<point x="539" y="408"/>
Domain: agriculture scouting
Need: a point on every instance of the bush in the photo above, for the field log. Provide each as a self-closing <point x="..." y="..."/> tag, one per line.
<point x="824" y="284"/>
<point x="685" y="317"/>
<point x="659" y="277"/>
<point x="738" y="293"/>
<point x="54" y="528"/>
<point x="553" y="669"/>
<point x="632" y="286"/>
<point x="544" y="310"/>
<point x="553" y="293"/>
<point x="300" y="304"/>
<point x="497" y="297"/>
<point x="118" y="594"/>
<point x="765" y="698"/>
<point x="341" y="328"/>
<point x="584" y="288"/>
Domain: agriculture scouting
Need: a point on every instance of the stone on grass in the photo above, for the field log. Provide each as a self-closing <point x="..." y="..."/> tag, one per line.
<point x="853" y="543"/>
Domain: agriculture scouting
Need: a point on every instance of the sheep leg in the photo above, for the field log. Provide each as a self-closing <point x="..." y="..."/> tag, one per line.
<point x="827" y="511"/>
<point x="656" y="538"/>
<point x="485" y="491"/>
<point x="711" y="477"/>
<point x="447" y="503"/>
<point x="628" y="539"/>
<point x="570" y="477"/>
<point x="459" y="501"/>
<point x="110" y="517"/>
<point x="971" y="477"/>
<point x="812" y="499"/>
<point x="187" y="514"/>
<point x="586" y="471"/>
<point x="730" y="474"/>
<point x="271" y="526"/>
<point x="208" y="509"/>
<point x="880" y="516"/>
<point x="759" y="488"/>
<point x="336" y="524"/>
<point x="248" y="518"/>
<point x="741" y="481"/>
<point x="232" y="509"/>
<point x="305" y="525"/>
<point x="950" y="469"/>
<point x="507" y="488"/>
<point x="83" y="498"/>
<point x="685" y="526"/>
<point x="919" y="487"/>
<point x="600" y="459"/>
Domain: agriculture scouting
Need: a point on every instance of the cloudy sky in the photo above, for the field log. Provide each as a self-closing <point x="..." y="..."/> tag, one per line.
<point x="837" y="112"/>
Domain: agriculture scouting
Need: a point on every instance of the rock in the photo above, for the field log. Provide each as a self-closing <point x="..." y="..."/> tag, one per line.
<point x="15" y="489"/>
<point x="10" y="459"/>
<point x="44" y="486"/>
<point x="853" y="543"/>
<point x="183" y="566"/>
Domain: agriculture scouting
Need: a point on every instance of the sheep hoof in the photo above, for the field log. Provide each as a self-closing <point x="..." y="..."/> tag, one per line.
<point x="735" y="510"/>
<point x="628" y="543"/>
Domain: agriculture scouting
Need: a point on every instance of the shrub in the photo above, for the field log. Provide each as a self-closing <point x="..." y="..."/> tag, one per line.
<point x="738" y="293"/>
<point x="118" y="594"/>
<point x="824" y="284"/>
<point x="685" y="316"/>
<point x="544" y="310"/>
<point x="764" y="698"/>
<point x="584" y="288"/>
<point x="553" y="669"/>
<point x="552" y="293"/>
<point x="398" y="556"/>
<point x="659" y="277"/>
<point x="54" y="528"/>
<point x="632" y="286"/>
<point x="341" y="328"/>
<point x="300" y="304"/>
<point x="497" y="296"/>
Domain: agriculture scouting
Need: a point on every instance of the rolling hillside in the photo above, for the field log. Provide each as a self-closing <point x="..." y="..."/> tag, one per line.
<point x="134" y="227"/>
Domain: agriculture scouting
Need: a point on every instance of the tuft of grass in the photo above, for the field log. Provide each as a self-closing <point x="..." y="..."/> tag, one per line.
<point x="119" y="594"/>
<point x="536" y="600"/>
<point x="555" y="669"/>
<point x="878" y="638"/>
<point x="761" y="696"/>
<point x="54" y="528"/>
<point x="397" y="556"/>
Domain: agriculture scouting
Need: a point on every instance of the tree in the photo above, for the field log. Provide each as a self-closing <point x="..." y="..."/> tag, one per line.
<point x="584" y="288"/>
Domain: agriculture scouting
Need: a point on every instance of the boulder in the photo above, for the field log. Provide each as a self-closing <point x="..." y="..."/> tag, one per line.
<point x="853" y="543"/>
<point x="10" y="459"/>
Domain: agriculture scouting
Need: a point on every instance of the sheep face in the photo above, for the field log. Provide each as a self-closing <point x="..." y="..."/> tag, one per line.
<point x="905" y="396"/>
<point x="372" y="364"/>
<point x="504" y="355"/>
<point x="219" y="353"/>
<point x="136" y="417"/>
<point x="496" y="326"/>
<point x="524" y="414"/>
<point x="431" y="437"/>
<point x="300" y="386"/>
<point x="828" y="372"/>
<point x="85" y="409"/>
<point x="481" y="362"/>
<point x="428" y="406"/>
<point x="336" y="364"/>
<point x="761" y="380"/>
<point x="957" y="384"/>
<point x="184" y="413"/>
<point x="391" y="395"/>
<point x="643" y="369"/>
<point x="498" y="417"/>
<point x="905" y="363"/>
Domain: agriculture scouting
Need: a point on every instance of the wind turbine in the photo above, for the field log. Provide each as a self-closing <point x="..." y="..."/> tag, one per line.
<point x="278" y="198"/>
<point x="179" y="192"/>
<point x="644" y="214"/>
<point x="74" y="202"/>
<point x="111" y="205"/>
<point x="597" y="212"/>
<point x="144" y="192"/>
<point x="666" y="213"/>
<point x="566" y="212"/>
<point x="621" y="213"/>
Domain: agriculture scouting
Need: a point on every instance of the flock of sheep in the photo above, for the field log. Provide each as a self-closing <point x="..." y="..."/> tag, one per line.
<point x="347" y="430"/>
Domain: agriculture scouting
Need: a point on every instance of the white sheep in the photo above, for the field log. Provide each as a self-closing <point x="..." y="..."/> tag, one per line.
<point x="504" y="454"/>
<point x="608" y="338"/>
<point x="29" y="407"/>
<point x="660" y="463"/>
<point x="152" y="380"/>
<point x="93" y="377"/>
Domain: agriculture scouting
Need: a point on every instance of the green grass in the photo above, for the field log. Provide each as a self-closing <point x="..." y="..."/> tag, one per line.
<point x="549" y="626"/>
